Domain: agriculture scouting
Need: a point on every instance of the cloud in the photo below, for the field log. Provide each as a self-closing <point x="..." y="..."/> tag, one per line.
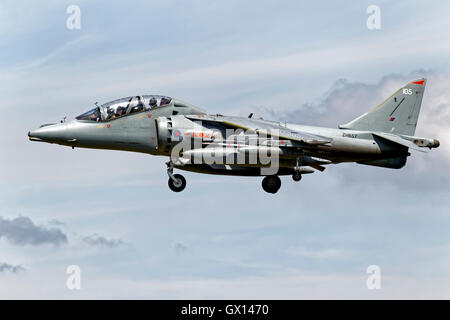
<point x="100" y="241"/>
<point x="180" y="248"/>
<point x="22" y="231"/>
<point x="345" y="100"/>
<point x="331" y="253"/>
<point x="56" y="222"/>
<point x="11" y="268"/>
<point x="291" y="284"/>
<point x="69" y="45"/>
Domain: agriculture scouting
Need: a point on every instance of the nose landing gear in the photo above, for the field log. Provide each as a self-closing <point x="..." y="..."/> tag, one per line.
<point x="176" y="182"/>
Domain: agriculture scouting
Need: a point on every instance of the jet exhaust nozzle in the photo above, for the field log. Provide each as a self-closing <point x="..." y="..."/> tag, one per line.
<point x="436" y="143"/>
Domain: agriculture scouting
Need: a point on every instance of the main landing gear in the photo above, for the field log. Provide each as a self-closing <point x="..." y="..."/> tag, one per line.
<point x="271" y="184"/>
<point x="176" y="182"/>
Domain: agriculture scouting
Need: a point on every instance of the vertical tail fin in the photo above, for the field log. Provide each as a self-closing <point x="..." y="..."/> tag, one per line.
<point x="398" y="114"/>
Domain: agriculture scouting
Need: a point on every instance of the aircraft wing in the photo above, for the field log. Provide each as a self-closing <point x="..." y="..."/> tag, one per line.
<point x="264" y="128"/>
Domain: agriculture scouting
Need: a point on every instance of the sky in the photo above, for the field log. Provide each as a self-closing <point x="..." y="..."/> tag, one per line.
<point x="112" y="214"/>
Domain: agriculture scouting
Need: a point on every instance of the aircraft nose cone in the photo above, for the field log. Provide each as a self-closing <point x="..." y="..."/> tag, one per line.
<point x="49" y="133"/>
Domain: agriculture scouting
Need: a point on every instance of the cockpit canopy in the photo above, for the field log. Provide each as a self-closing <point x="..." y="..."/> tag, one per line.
<point x="125" y="106"/>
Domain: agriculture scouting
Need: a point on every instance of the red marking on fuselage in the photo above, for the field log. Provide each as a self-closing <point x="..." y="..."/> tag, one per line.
<point x="108" y="126"/>
<point x="149" y="115"/>
<point x="200" y="135"/>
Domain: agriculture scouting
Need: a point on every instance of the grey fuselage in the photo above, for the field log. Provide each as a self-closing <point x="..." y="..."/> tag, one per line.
<point x="151" y="131"/>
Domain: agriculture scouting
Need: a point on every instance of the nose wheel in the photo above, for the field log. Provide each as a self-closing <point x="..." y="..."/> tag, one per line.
<point x="176" y="182"/>
<point x="271" y="184"/>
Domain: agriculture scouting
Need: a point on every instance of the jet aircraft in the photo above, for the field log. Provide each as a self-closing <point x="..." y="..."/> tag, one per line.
<point x="244" y="146"/>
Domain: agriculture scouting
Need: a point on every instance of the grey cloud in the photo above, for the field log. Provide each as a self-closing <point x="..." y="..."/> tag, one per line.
<point x="343" y="101"/>
<point x="4" y="267"/>
<point x="56" y="222"/>
<point x="346" y="100"/>
<point x="97" y="240"/>
<point x="180" y="248"/>
<point x="22" y="231"/>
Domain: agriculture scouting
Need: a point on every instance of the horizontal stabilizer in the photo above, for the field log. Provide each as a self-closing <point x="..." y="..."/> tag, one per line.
<point x="396" y="139"/>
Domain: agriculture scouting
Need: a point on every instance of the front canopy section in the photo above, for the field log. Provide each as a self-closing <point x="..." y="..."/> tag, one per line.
<point x="91" y="115"/>
<point x="124" y="107"/>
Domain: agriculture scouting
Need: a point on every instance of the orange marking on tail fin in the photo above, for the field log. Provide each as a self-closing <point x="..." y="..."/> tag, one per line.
<point x="421" y="82"/>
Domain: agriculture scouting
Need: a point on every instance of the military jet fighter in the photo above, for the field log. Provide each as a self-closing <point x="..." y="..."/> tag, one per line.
<point x="244" y="146"/>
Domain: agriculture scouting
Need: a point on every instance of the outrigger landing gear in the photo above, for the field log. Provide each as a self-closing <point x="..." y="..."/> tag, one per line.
<point x="271" y="184"/>
<point x="297" y="176"/>
<point x="176" y="182"/>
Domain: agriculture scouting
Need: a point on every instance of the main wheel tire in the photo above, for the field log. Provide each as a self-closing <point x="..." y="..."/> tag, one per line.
<point x="179" y="185"/>
<point x="297" y="176"/>
<point x="271" y="184"/>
